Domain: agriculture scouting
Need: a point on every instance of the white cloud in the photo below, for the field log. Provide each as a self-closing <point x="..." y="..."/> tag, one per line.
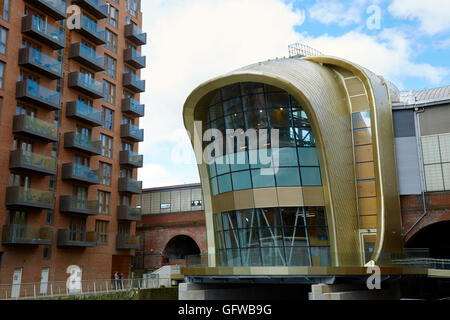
<point x="433" y="15"/>
<point x="338" y="12"/>
<point x="190" y="42"/>
<point x="389" y="54"/>
<point x="157" y="175"/>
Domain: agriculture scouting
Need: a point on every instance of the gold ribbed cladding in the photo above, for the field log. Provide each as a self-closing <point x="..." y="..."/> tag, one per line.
<point x="323" y="96"/>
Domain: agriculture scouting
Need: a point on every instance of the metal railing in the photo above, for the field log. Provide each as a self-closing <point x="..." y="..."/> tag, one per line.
<point x="427" y="263"/>
<point x="55" y="289"/>
<point x="302" y="50"/>
<point x="40" y="126"/>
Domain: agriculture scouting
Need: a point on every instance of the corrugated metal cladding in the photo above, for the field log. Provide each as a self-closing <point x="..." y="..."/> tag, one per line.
<point x="435" y="120"/>
<point x="404" y="123"/>
<point x="171" y="201"/>
<point x="408" y="166"/>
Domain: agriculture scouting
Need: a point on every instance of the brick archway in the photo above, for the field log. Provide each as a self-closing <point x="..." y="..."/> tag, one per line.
<point x="430" y="219"/>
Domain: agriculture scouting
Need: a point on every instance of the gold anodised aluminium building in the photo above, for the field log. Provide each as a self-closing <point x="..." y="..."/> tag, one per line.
<point x="334" y="199"/>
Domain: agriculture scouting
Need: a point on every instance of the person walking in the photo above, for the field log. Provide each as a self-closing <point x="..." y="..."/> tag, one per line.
<point x="121" y="281"/>
<point x="116" y="280"/>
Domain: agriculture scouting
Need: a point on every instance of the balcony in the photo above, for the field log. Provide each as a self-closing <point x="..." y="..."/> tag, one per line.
<point x="126" y="213"/>
<point x="133" y="108"/>
<point x="91" y="30"/>
<point x="130" y="185"/>
<point x="54" y="8"/>
<point x="82" y="112"/>
<point x="35" y="128"/>
<point x="32" y="163"/>
<point x="82" y="143"/>
<point x="131" y="132"/>
<point x="80" y="173"/>
<point x="135" y="35"/>
<point x="132" y="159"/>
<point x="76" y="238"/>
<point x="134" y="58"/>
<point x="69" y="204"/>
<point x="85" y="84"/>
<point x="31" y="198"/>
<point x="87" y="56"/>
<point x="40" y="63"/>
<point x="26" y="235"/>
<point x="97" y="8"/>
<point x="127" y="242"/>
<point x="133" y="82"/>
<point x="29" y="91"/>
<point x="39" y="30"/>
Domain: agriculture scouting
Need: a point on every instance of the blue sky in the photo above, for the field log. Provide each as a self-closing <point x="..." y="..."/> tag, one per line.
<point x="191" y="41"/>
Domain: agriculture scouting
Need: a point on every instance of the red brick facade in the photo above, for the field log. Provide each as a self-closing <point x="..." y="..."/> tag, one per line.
<point x="98" y="262"/>
<point x="157" y="230"/>
<point x="438" y="210"/>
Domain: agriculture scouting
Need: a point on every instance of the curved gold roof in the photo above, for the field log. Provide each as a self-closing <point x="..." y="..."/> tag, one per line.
<point x="323" y="86"/>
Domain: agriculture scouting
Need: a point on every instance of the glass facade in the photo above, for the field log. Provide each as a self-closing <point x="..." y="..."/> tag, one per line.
<point x="296" y="236"/>
<point x="258" y="106"/>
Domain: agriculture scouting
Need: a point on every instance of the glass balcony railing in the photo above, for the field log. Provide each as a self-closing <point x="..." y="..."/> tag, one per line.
<point x="128" y="213"/>
<point x="30" y="160"/>
<point x="86" y="111"/>
<point x="86" y="83"/>
<point x="22" y="196"/>
<point x="35" y="127"/>
<point x="84" y="172"/>
<point x="84" y="140"/>
<point x="136" y="131"/>
<point x="91" y="205"/>
<point x="130" y="158"/>
<point x="97" y="8"/>
<point x="50" y="31"/>
<point x="76" y="238"/>
<point x="125" y="241"/>
<point x="40" y="62"/>
<point x="43" y="94"/>
<point x="135" y="157"/>
<point x="134" y="58"/>
<point x="93" y="28"/>
<point x="136" y="35"/>
<point x="130" y="185"/>
<point x="25" y="234"/>
<point x="59" y="5"/>
<point x="91" y="54"/>
<point x="129" y="131"/>
<point x="73" y="204"/>
<point x="132" y="106"/>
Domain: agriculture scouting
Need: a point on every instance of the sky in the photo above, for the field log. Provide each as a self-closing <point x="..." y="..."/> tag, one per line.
<point x="192" y="41"/>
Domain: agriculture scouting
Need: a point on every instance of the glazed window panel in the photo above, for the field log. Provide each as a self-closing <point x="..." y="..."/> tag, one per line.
<point x="287" y="136"/>
<point x="231" y="91"/>
<point x="249" y="238"/>
<point x="298" y="256"/>
<point x="295" y="236"/>
<point x="257" y="119"/>
<point x="224" y="183"/>
<point x="361" y="119"/>
<point x="251" y="257"/>
<point x="292" y="216"/>
<point x="285" y="157"/>
<point x="239" y="161"/>
<point x="308" y="157"/>
<point x="232" y="106"/>
<point x="311" y="176"/>
<point x="241" y="180"/>
<point x="252" y="88"/>
<point x="214" y="187"/>
<point x="262" y="181"/>
<point x="260" y="158"/>
<point x="363" y="136"/>
<point x="288" y="177"/>
<point x="222" y="165"/>
<point x="444" y="146"/>
<point x="253" y="102"/>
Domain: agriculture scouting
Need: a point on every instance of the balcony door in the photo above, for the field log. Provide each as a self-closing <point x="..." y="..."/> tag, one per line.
<point x="79" y="195"/>
<point x="77" y="230"/>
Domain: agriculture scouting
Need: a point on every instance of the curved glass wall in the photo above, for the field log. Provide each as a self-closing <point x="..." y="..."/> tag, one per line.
<point x="296" y="236"/>
<point x="259" y="106"/>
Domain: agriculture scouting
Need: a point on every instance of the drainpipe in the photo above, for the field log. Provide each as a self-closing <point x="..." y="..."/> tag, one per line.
<point x="417" y="112"/>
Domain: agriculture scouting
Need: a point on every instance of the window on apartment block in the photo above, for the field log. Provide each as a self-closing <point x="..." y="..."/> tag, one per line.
<point x="77" y="229"/>
<point x="133" y="6"/>
<point x="105" y="170"/>
<point x="108" y="118"/>
<point x="112" y="16"/>
<point x="110" y="66"/>
<point x="2" y="74"/>
<point x="111" y="41"/>
<point x="103" y="202"/>
<point x="4" y="9"/>
<point x="109" y="92"/>
<point x="46" y="253"/>
<point x="106" y="144"/>
<point x="101" y="228"/>
<point x="3" y="39"/>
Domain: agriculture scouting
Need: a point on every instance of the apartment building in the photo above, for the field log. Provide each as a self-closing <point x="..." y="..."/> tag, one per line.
<point x="69" y="91"/>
